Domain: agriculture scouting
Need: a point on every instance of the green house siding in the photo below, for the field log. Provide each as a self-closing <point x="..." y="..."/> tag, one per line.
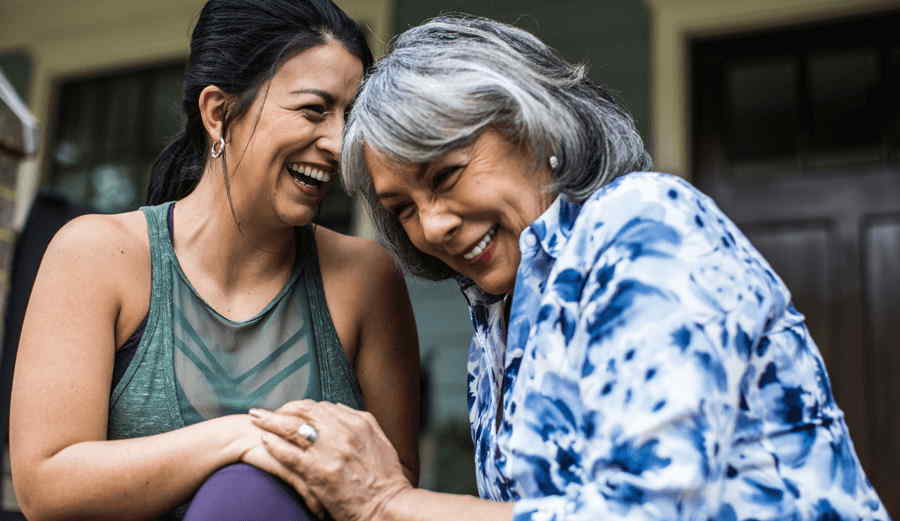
<point x="611" y="36"/>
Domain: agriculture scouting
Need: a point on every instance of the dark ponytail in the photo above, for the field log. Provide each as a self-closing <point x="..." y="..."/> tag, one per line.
<point x="238" y="45"/>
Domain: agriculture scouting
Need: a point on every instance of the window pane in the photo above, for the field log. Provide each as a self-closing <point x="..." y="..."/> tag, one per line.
<point x="73" y="184"/>
<point x="121" y="117"/>
<point x="76" y="140"/>
<point x="762" y="117"/>
<point x="109" y="132"/>
<point x="115" y="187"/>
<point x="846" y="119"/>
<point x="164" y="119"/>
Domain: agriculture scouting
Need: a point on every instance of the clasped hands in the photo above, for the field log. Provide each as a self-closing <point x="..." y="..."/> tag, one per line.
<point x="347" y="466"/>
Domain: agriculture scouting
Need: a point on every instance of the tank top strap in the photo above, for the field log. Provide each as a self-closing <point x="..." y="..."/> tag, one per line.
<point x="338" y="379"/>
<point x="143" y="401"/>
<point x="160" y="241"/>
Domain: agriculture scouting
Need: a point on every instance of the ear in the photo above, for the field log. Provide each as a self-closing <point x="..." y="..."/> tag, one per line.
<point x="213" y="103"/>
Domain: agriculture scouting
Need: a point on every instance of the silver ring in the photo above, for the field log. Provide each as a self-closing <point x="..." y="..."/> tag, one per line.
<point x="308" y="432"/>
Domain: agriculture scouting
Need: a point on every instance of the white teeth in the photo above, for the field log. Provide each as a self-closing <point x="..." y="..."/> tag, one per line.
<point x="482" y="244"/>
<point x="315" y="173"/>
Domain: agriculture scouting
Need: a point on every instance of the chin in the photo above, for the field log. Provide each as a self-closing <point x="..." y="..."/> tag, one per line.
<point x="297" y="215"/>
<point x="495" y="286"/>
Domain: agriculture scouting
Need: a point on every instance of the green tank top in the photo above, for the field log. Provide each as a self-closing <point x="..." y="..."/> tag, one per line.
<point x="193" y="364"/>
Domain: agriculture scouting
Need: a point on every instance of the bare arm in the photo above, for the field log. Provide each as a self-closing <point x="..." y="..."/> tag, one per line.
<point x="63" y="466"/>
<point x="368" y="301"/>
<point x="424" y="505"/>
<point x="387" y="365"/>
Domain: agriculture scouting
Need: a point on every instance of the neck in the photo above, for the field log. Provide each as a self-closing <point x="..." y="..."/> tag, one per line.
<point x="233" y="242"/>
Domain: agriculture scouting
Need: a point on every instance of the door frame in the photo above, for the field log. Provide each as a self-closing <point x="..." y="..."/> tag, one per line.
<point x="674" y="23"/>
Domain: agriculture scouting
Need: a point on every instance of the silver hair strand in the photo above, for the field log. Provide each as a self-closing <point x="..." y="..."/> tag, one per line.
<point x="446" y="81"/>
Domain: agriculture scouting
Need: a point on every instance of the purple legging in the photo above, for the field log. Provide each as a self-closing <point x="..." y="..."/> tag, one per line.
<point x="241" y="492"/>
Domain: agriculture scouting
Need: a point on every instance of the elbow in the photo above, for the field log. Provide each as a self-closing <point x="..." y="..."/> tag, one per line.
<point x="29" y="502"/>
<point x="34" y="505"/>
<point x="42" y="510"/>
<point x="36" y="498"/>
<point x="25" y="493"/>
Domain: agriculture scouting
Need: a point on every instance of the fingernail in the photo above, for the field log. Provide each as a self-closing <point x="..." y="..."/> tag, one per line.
<point x="256" y="413"/>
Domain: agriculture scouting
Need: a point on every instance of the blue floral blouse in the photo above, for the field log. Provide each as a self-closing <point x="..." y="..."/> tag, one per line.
<point x="654" y="368"/>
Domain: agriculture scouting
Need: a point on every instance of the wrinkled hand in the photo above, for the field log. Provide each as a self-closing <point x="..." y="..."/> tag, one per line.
<point x="352" y="468"/>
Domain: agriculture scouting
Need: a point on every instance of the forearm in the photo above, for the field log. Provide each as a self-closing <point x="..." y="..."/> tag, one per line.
<point x="424" y="505"/>
<point x="136" y="479"/>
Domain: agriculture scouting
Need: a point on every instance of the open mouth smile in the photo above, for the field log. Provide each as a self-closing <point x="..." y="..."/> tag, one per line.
<point x="308" y="176"/>
<point x="482" y="245"/>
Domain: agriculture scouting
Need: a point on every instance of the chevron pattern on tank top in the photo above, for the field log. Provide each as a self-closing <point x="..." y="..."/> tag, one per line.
<point x="227" y="386"/>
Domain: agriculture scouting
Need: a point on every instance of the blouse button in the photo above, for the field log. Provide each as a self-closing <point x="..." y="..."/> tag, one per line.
<point x="530" y="241"/>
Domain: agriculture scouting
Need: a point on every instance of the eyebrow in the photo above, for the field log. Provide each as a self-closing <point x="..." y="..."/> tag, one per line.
<point x="327" y="96"/>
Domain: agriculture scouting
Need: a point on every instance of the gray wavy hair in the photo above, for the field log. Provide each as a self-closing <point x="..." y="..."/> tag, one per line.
<point x="446" y="81"/>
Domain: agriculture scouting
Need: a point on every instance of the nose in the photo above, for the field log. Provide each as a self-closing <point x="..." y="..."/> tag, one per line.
<point x="332" y="129"/>
<point x="438" y="224"/>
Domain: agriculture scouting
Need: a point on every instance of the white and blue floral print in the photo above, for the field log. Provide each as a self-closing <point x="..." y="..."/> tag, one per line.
<point x="654" y="368"/>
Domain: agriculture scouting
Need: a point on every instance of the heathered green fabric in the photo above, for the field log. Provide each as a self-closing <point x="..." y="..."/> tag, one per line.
<point x="146" y="400"/>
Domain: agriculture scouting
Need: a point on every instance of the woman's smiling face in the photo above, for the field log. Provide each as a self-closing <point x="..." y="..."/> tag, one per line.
<point x="284" y="152"/>
<point x="468" y="207"/>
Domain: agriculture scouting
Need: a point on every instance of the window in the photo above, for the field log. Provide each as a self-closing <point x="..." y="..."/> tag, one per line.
<point x="109" y="130"/>
<point x="811" y="100"/>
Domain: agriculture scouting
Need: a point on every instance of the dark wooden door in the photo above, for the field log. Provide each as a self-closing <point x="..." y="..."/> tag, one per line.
<point x="797" y="137"/>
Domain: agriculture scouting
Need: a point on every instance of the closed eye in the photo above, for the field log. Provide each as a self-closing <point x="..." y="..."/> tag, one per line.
<point x="315" y="113"/>
<point x="401" y="211"/>
<point x="443" y="180"/>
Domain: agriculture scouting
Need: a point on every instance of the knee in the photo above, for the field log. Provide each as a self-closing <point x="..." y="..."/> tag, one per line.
<point x="241" y="492"/>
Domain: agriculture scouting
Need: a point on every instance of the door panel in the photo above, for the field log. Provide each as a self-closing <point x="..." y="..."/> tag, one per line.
<point x="802" y="253"/>
<point x="882" y="332"/>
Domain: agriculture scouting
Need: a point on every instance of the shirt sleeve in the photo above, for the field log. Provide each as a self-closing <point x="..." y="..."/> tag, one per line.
<point x="657" y="315"/>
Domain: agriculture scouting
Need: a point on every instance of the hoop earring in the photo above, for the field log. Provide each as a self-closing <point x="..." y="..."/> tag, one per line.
<point x="217" y="148"/>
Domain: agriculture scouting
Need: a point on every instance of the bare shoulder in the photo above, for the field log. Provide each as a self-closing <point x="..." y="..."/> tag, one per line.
<point x="113" y="245"/>
<point x="93" y="235"/>
<point x="356" y="257"/>
<point x="358" y="276"/>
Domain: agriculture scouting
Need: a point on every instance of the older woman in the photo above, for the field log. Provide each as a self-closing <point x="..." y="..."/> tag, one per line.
<point x="634" y="356"/>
